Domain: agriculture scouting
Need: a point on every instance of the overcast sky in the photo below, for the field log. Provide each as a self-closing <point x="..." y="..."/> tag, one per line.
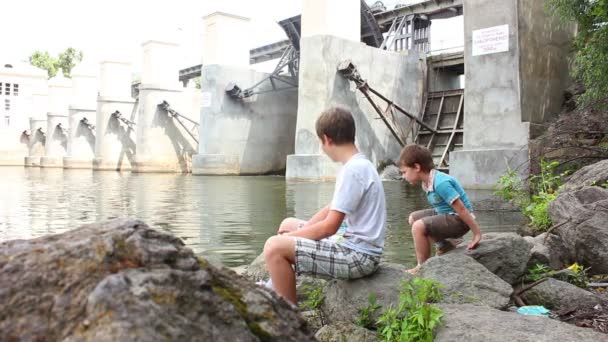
<point x="116" y="28"/>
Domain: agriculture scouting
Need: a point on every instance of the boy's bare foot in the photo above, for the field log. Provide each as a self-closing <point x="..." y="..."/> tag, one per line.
<point x="452" y="243"/>
<point x="414" y="271"/>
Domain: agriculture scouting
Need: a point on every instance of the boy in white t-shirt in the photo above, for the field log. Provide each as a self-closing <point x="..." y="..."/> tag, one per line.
<point x="358" y="206"/>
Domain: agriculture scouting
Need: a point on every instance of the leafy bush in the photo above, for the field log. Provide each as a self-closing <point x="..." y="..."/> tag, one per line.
<point x="366" y="314"/>
<point x="415" y="318"/>
<point x="534" y="196"/>
<point x="590" y="45"/>
<point x="314" y="300"/>
<point x="538" y="272"/>
<point x="576" y="276"/>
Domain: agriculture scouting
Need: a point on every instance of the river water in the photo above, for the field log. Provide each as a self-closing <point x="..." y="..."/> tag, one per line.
<point x="225" y="219"/>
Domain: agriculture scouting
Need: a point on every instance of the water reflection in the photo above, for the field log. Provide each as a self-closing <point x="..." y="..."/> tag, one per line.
<point x="226" y="219"/>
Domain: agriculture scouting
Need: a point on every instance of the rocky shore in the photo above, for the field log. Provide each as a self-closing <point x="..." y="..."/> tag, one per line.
<point x="123" y="280"/>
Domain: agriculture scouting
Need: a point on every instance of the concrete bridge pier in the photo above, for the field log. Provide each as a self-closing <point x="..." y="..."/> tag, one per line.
<point x="114" y="139"/>
<point x="162" y="144"/>
<point x="82" y="117"/>
<point x="36" y="143"/>
<point x="240" y="136"/>
<point x="516" y="62"/>
<point x="324" y="44"/>
<point x="56" y="141"/>
<point x="40" y="103"/>
<point x="60" y="91"/>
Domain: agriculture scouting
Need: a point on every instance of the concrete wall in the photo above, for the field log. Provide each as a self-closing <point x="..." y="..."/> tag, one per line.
<point x="505" y="91"/>
<point x="21" y="88"/>
<point x="223" y="41"/>
<point x="83" y="105"/>
<point x="13" y="146"/>
<point x="398" y="76"/>
<point x="545" y="43"/>
<point x="492" y="94"/>
<point x="81" y="139"/>
<point x="163" y="145"/>
<point x="114" y="140"/>
<point x="36" y="142"/>
<point x="60" y="93"/>
<point x="56" y="141"/>
<point x="243" y="137"/>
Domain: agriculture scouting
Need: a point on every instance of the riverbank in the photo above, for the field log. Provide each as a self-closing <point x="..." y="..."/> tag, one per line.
<point x="563" y="270"/>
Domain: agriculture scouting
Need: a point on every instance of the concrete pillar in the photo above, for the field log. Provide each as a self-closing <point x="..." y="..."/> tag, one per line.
<point x="82" y="117"/>
<point x="162" y="144"/>
<point x="400" y="78"/>
<point x="60" y="91"/>
<point x="238" y="137"/>
<point x="114" y="140"/>
<point x="516" y="62"/>
<point x="37" y="141"/>
<point x="340" y="19"/>
<point x="232" y="129"/>
<point x="226" y="39"/>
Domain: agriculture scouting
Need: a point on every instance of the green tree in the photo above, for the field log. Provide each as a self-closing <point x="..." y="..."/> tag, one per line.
<point x="44" y="61"/>
<point x="591" y="45"/>
<point x="66" y="61"/>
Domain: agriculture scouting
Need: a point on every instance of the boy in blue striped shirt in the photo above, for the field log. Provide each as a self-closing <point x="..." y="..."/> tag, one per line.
<point x="452" y="213"/>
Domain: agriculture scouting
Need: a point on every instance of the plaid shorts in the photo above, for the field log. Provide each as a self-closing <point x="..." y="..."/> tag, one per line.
<point x="328" y="259"/>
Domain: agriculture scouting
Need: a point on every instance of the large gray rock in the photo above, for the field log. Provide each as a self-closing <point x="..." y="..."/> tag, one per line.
<point x="595" y="174"/>
<point x="548" y="250"/>
<point x="343" y="298"/>
<point x="343" y="331"/>
<point x="556" y="294"/>
<point x="120" y="281"/>
<point x="504" y="254"/>
<point x="482" y="324"/>
<point x="583" y="216"/>
<point x="257" y="270"/>
<point x="391" y="172"/>
<point x="466" y="281"/>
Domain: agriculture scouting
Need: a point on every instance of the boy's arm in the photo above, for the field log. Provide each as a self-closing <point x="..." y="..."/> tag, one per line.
<point x="468" y="219"/>
<point x="318" y="217"/>
<point x="322" y="229"/>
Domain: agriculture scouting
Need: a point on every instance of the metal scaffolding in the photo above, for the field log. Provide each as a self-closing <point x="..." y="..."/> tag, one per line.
<point x="349" y="70"/>
<point x="278" y="79"/>
<point x="178" y="117"/>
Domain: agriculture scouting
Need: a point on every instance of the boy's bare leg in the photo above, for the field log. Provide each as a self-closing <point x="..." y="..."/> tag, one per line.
<point x="422" y="244"/>
<point x="280" y="254"/>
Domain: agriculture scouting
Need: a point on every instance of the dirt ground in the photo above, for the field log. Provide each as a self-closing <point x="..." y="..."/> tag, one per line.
<point x="578" y="137"/>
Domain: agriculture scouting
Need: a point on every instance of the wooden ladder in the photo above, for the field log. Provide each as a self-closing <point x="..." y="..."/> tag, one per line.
<point x="444" y="111"/>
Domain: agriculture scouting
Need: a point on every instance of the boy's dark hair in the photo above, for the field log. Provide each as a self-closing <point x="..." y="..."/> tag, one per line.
<point x="338" y="124"/>
<point x="416" y="154"/>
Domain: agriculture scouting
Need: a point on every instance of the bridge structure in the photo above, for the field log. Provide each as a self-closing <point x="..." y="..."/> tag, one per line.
<point x="476" y="109"/>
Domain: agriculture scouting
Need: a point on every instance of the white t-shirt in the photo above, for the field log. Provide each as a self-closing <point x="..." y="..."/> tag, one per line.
<point x="359" y="194"/>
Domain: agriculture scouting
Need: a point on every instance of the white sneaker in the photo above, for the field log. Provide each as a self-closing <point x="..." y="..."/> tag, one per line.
<point x="267" y="284"/>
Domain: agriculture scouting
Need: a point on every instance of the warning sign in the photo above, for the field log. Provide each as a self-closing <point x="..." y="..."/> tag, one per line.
<point x="491" y="40"/>
<point x="206" y="99"/>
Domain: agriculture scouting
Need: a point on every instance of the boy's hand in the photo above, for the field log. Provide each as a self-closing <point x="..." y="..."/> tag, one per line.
<point x="284" y="230"/>
<point x="475" y="242"/>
